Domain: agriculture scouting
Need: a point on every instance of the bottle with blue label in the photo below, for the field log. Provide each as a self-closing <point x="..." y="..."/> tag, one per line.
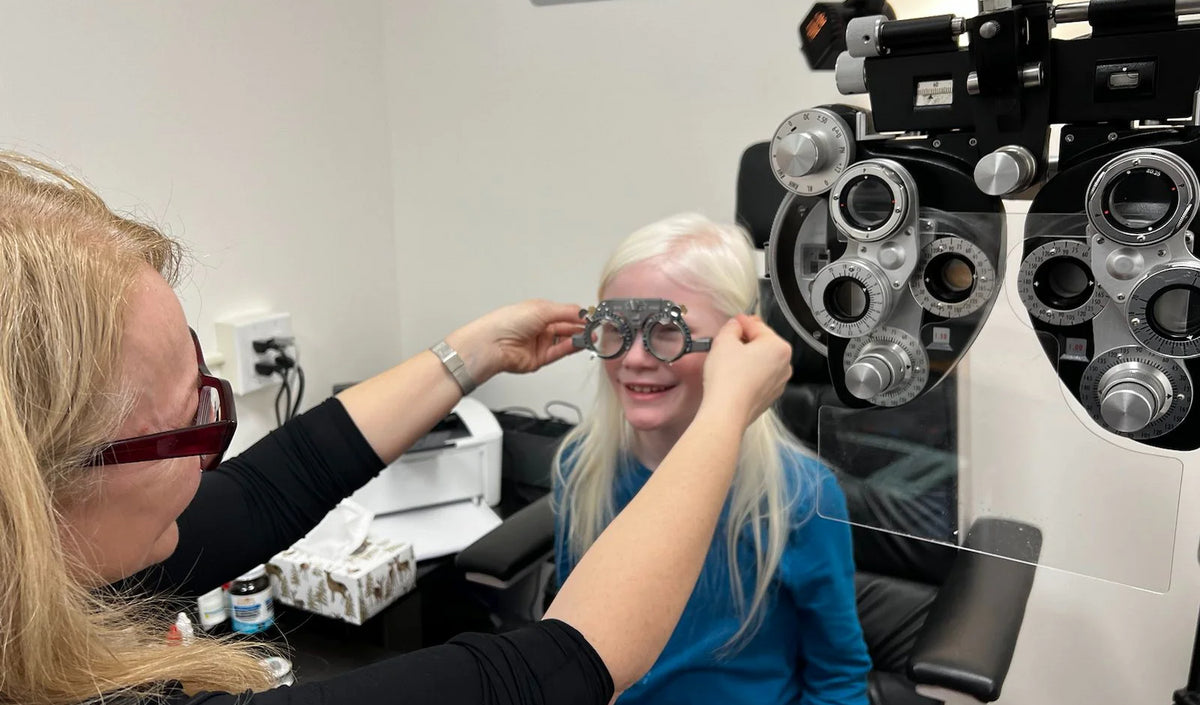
<point x="250" y="598"/>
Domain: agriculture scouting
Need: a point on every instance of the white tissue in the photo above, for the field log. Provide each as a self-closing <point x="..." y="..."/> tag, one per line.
<point x="340" y="533"/>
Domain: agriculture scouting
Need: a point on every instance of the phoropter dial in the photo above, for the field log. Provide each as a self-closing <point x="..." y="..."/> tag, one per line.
<point x="954" y="278"/>
<point x="850" y="297"/>
<point x="1164" y="310"/>
<point x="810" y="149"/>
<point x="873" y="200"/>
<point x="1057" y="286"/>
<point x="887" y="368"/>
<point x="1142" y="197"/>
<point x="1135" y="393"/>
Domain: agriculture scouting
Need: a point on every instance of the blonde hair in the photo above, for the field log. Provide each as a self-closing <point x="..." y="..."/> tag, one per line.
<point x="66" y="264"/>
<point x="716" y="260"/>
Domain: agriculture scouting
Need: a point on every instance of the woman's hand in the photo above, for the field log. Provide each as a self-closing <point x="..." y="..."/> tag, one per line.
<point x="747" y="368"/>
<point x="395" y="408"/>
<point x="519" y="338"/>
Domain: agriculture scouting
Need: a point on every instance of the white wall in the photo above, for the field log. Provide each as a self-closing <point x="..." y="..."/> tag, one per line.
<point x="255" y="132"/>
<point x="528" y="140"/>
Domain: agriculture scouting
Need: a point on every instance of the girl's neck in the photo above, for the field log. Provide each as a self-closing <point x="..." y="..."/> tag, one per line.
<point x="650" y="447"/>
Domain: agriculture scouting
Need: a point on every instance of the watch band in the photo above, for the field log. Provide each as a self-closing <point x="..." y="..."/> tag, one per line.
<point x="456" y="366"/>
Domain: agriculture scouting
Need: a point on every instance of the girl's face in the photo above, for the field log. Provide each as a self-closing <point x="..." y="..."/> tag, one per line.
<point x="659" y="397"/>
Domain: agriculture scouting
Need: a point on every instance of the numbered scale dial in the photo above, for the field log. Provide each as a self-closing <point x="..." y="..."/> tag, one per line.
<point x="887" y="368"/>
<point x="1142" y="197"/>
<point x="810" y="149"/>
<point x="1135" y="393"/>
<point x="850" y="297"/>
<point x="954" y="278"/>
<point x="1162" y="311"/>
<point x="1057" y="286"/>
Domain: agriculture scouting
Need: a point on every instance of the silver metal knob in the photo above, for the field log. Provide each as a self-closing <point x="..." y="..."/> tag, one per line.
<point x="862" y="36"/>
<point x="850" y="74"/>
<point x="989" y="29"/>
<point x="868" y="377"/>
<point x="1134" y="395"/>
<point x="1125" y="263"/>
<point x="799" y="154"/>
<point x="1032" y="75"/>
<point x="1128" y="407"/>
<point x="878" y="368"/>
<point x="1006" y="170"/>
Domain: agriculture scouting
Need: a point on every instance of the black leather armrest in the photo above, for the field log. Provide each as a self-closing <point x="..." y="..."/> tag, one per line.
<point x="506" y="552"/>
<point x="971" y="629"/>
<point x="885" y="688"/>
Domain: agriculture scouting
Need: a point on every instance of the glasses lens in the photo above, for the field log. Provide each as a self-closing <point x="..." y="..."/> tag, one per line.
<point x="607" y="339"/>
<point x="666" y="341"/>
<point x="208" y="410"/>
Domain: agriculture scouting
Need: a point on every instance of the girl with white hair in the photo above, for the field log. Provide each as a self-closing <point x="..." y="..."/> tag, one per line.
<point x="772" y="618"/>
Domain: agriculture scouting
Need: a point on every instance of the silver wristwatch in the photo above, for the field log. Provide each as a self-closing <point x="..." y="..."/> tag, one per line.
<point x="456" y="366"/>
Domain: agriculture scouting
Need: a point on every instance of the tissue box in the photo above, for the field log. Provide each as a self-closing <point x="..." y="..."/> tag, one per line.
<point x="354" y="588"/>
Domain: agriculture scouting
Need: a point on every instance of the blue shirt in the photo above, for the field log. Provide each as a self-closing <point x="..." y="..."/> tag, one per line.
<point x="809" y="649"/>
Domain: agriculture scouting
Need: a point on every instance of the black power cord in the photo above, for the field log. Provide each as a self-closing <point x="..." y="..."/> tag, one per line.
<point x="283" y="365"/>
<point x="299" y="390"/>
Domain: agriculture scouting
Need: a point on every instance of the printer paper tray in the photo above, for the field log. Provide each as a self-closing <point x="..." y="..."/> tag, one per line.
<point x="437" y="531"/>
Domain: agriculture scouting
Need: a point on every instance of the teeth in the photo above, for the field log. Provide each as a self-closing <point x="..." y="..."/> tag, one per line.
<point x="645" y="390"/>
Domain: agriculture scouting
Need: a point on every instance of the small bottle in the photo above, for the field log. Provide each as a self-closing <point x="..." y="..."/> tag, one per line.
<point x="174" y="638"/>
<point x="184" y="626"/>
<point x="212" y="609"/>
<point x="253" y="607"/>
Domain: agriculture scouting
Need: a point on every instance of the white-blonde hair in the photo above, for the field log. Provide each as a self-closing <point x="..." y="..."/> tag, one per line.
<point x="716" y="260"/>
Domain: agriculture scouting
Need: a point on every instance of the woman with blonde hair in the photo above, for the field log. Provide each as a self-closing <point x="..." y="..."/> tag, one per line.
<point x="111" y="438"/>
<point x="773" y="617"/>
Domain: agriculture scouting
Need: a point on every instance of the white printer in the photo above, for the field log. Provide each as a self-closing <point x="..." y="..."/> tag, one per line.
<point x="438" y="496"/>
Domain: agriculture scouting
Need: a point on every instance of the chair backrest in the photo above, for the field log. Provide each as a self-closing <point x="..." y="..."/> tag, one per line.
<point x="758" y="193"/>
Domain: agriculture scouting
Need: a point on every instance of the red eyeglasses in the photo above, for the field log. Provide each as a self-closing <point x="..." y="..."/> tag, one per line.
<point x="208" y="436"/>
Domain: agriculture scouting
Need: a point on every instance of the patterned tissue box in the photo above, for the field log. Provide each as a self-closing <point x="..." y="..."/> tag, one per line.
<point x="352" y="589"/>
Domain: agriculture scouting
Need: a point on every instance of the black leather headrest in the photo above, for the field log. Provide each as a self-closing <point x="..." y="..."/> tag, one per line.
<point x="808" y="365"/>
<point x="758" y="193"/>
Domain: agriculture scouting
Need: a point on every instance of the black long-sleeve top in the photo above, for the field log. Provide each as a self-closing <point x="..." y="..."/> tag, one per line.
<point x="261" y="502"/>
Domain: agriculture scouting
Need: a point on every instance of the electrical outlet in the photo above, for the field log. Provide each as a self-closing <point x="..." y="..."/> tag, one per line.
<point x="235" y="338"/>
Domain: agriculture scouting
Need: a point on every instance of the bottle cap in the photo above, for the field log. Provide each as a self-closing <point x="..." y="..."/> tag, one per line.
<point x="281" y="670"/>
<point x="184" y="626"/>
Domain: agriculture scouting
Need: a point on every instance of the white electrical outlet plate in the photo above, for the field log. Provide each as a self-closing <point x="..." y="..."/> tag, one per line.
<point x="235" y="338"/>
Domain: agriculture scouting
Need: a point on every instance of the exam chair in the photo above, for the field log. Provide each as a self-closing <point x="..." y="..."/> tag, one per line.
<point x="512" y="566"/>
